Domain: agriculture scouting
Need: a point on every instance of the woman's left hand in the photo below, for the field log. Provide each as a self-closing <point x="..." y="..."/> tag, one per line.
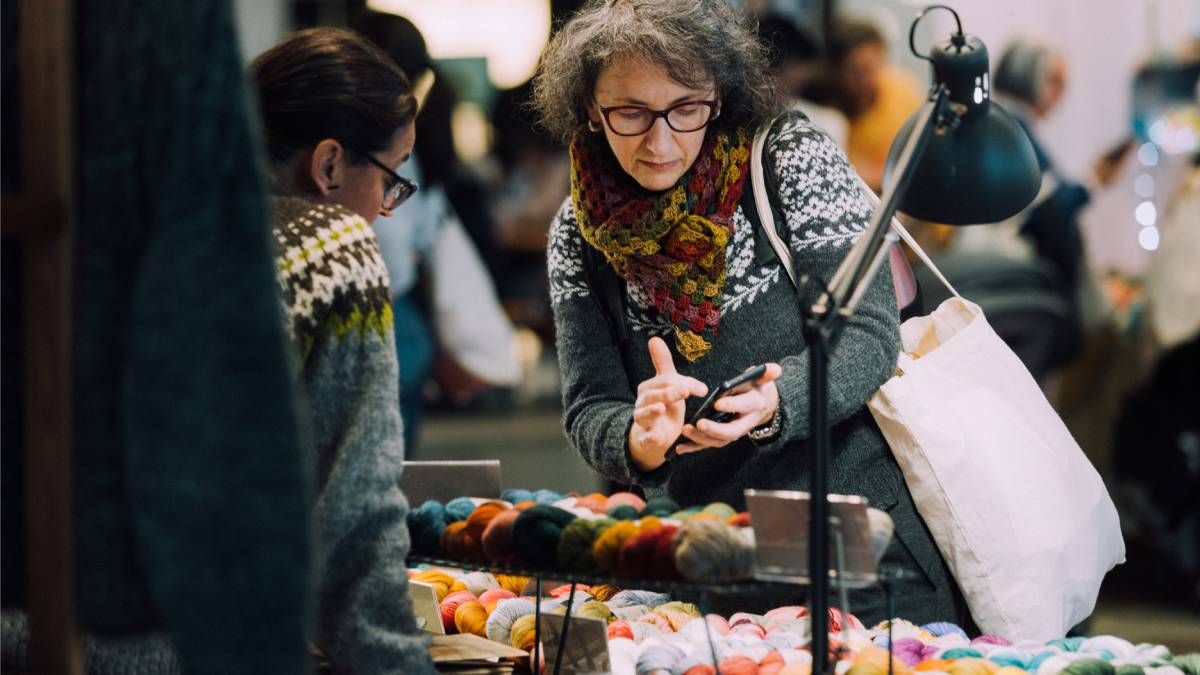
<point x="753" y="408"/>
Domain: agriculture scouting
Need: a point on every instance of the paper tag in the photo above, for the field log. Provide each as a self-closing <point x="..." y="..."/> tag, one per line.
<point x="425" y="607"/>
<point x="586" y="649"/>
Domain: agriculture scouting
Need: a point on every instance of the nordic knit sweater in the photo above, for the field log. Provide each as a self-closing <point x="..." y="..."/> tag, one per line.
<point x="335" y="291"/>
<point x="825" y="212"/>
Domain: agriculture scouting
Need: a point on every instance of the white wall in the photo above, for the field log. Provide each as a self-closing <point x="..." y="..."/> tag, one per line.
<point x="260" y="24"/>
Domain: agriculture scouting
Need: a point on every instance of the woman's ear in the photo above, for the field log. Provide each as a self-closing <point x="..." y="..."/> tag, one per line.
<point x="326" y="166"/>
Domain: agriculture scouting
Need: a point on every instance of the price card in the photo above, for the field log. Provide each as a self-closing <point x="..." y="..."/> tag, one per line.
<point x="425" y="607"/>
<point x="586" y="649"/>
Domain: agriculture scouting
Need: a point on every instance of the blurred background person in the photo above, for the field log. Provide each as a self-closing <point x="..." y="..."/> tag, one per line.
<point x="876" y="96"/>
<point x="797" y="63"/>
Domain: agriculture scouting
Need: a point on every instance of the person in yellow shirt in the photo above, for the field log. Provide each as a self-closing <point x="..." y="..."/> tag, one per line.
<point x="875" y="96"/>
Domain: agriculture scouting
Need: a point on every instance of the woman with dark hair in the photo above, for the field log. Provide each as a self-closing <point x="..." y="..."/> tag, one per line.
<point x="338" y="118"/>
<point x="659" y="101"/>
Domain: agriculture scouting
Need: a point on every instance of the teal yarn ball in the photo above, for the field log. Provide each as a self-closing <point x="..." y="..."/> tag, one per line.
<point x="660" y="506"/>
<point x="425" y="526"/>
<point x="547" y="496"/>
<point x="516" y="496"/>
<point x="1067" y="644"/>
<point x="575" y="545"/>
<point x="623" y="512"/>
<point x="960" y="653"/>
<point x="1089" y="667"/>
<point x="536" y="534"/>
<point x="459" y="509"/>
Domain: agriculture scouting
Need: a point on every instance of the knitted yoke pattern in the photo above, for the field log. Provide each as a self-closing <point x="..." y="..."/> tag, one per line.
<point x="334" y="286"/>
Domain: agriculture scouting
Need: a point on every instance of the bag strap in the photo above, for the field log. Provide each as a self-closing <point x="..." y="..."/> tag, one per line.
<point x="907" y="237"/>
<point x="762" y="202"/>
<point x="608" y="290"/>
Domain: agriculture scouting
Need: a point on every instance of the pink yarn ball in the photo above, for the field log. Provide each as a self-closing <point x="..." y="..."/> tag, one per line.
<point x="625" y="499"/>
<point x="786" y="613"/>
<point x="717" y="624"/>
<point x="495" y="595"/>
<point x="750" y="630"/>
<point x="449" y="606"/>
<point x="739" y="618"/>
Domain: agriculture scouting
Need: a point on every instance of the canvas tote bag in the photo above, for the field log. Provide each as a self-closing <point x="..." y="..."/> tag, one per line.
<point x="1020" y="515"/>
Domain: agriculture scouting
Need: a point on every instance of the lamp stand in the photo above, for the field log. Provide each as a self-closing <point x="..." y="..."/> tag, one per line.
<point x="823" y="323"/>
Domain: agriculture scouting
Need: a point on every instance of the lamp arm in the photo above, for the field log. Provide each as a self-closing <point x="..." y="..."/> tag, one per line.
<point x="836" y="306"/>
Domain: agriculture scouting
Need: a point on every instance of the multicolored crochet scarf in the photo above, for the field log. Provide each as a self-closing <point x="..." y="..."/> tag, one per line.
<point x="671" y="244"/>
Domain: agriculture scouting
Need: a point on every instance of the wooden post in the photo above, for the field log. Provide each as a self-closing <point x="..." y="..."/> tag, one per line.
<point x="40" y="217"/>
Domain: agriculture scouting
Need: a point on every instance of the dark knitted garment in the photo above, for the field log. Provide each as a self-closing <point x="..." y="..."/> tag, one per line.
<point x="191" y="510"/>
<point x="760" y="322"/>
<point x="335" y="292"/>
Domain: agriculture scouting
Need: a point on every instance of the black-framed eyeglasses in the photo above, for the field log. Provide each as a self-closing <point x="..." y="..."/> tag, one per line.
<point x="399" y="188"/>
<point x="634" y="120"/>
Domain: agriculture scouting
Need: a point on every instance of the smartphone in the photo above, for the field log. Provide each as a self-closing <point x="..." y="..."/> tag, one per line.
<point x="706" y="408"/>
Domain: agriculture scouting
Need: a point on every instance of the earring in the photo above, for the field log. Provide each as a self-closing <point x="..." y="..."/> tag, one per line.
<point x="593" y="126"/>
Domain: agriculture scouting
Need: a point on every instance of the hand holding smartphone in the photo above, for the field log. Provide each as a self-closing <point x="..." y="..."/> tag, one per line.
<point x="738" y="381"/>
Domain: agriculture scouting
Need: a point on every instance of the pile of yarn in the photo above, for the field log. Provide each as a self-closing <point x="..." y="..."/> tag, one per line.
<point x="619" y="535"/>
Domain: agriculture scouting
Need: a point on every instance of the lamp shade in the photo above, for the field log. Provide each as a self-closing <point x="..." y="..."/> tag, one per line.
<point x="979" y="165"/>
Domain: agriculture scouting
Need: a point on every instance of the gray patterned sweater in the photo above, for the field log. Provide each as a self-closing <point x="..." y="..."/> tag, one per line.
<point x="760" y="322"/>
<point x="335" y="290"/>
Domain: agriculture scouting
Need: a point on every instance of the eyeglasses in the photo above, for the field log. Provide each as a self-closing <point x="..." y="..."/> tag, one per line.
<point x="399" y="189"/>
<point x="634" y="120"/>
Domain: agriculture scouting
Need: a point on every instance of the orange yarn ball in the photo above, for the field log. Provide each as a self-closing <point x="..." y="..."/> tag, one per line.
<point x="471" y="617"/>
<point x="595" y="502"/>
<point x="738" y="665"/>
<point x="457" y="542"/>
<point x="604" y="592"/>
<point x="512" y="583"/>
<point x="771" y="664"/>
<point x="618" y="629"/>
<point x="739" y="519"/>
<point x="942" y="665"/>
<point x="607" y="547"/>
<point x="527" y="504"/>
<point x="701" y="669"/>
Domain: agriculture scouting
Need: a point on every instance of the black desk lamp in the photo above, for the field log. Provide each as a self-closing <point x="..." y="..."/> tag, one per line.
<point x="961" y="159"/>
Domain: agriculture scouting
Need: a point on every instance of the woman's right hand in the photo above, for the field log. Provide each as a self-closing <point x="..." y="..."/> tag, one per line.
<point x="659" y="410"/>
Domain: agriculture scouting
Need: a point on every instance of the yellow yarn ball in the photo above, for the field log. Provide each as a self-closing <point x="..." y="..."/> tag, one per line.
<point x="440" y="581"/>
<point x="608" y="545"/>
<point x="521" y="634"/>
<point x="972" y="666"/>
<point x="511" y="582"/>
<point x="471" y="617"/>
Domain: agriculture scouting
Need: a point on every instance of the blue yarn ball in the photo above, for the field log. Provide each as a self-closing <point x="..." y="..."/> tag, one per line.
<point x="940" y="628"/>
<point x="1037" y="660"/>
<point x="1067" y="644"/>
<point x="547" y="496"/>
<point x="459" y="509"/>
<point x="515" y="496"/>
<point x="623" y="512"/>
<point x="425" y="526"/>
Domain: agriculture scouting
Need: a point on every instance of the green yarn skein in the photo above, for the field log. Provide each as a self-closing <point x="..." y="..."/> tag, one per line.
<point x="575" y="544"/>
<point x="1089" y="667"/>
<point x="536" y="533"/>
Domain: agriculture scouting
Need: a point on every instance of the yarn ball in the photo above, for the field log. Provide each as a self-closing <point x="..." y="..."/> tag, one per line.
<point x="623" y="512"/>
<point x="522" y="634"/>
<point x="701" y="669"/>
<point x="575" y="545"/>
<point x="635" y="560"/>
<point x="971" y="666"/>
<point x="425" y="526"/>
<point x="660" y="506"/>
<point x="618" y="629"/>
<point x="595" y="502"/>
<point x="604" y="592"/>
<point x="458" y="585"/>
<point x="630" y="613"/>
<point x="739" y="520"/>
<point x="1071" y="644"/>
<point x="512" y="496"/>
<point x="492" y="597"/>
<point x="496" y="540"/>
<point x="630" y="598"/>
<point x="502" y="618"/>
<point x="658" y="657"/>
<point x="626" y="499"/>
<point x="771" y="664"/>
<point x="1014" y="670"/>
<point x="1108" y="647"/>
<point x="547" y="496"/>
<point x="596" y="610"/>
<point x="721" y="510"/>
<point x="707" y="550"/>
<point x="935" y="665"/>
<point x="940" y="628"/>
<point x="622" y="655"/>
<point x="511" y="582"/>
<point x="659" y="621"/>
<point x="786" y="613"/>
<point x="536" y="533"/>
<point x="478" y="521"/>
<point x="457" y="542"/>
<point x="479" y="582"/>
<point x="1089" y="667"/>
<point x="678" y="614"/>
<point x="459" y="508"/>
<point x="471" y="617"/>
<point x="449" y="606"/>
<point x="440" y="581"/>
<point x="607" y="547"/>
<point x="738" y="665"/>
<point x="1188" y="663"/>
<point x="874" y="661"/>
<point x="684" y="515"/>
<point x="991" y="640"/>
<point x="960" y="653"/>
<point x="912" y="651"/>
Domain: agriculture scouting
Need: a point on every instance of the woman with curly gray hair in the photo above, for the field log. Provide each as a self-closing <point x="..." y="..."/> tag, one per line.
<point x="659" y="101"/>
